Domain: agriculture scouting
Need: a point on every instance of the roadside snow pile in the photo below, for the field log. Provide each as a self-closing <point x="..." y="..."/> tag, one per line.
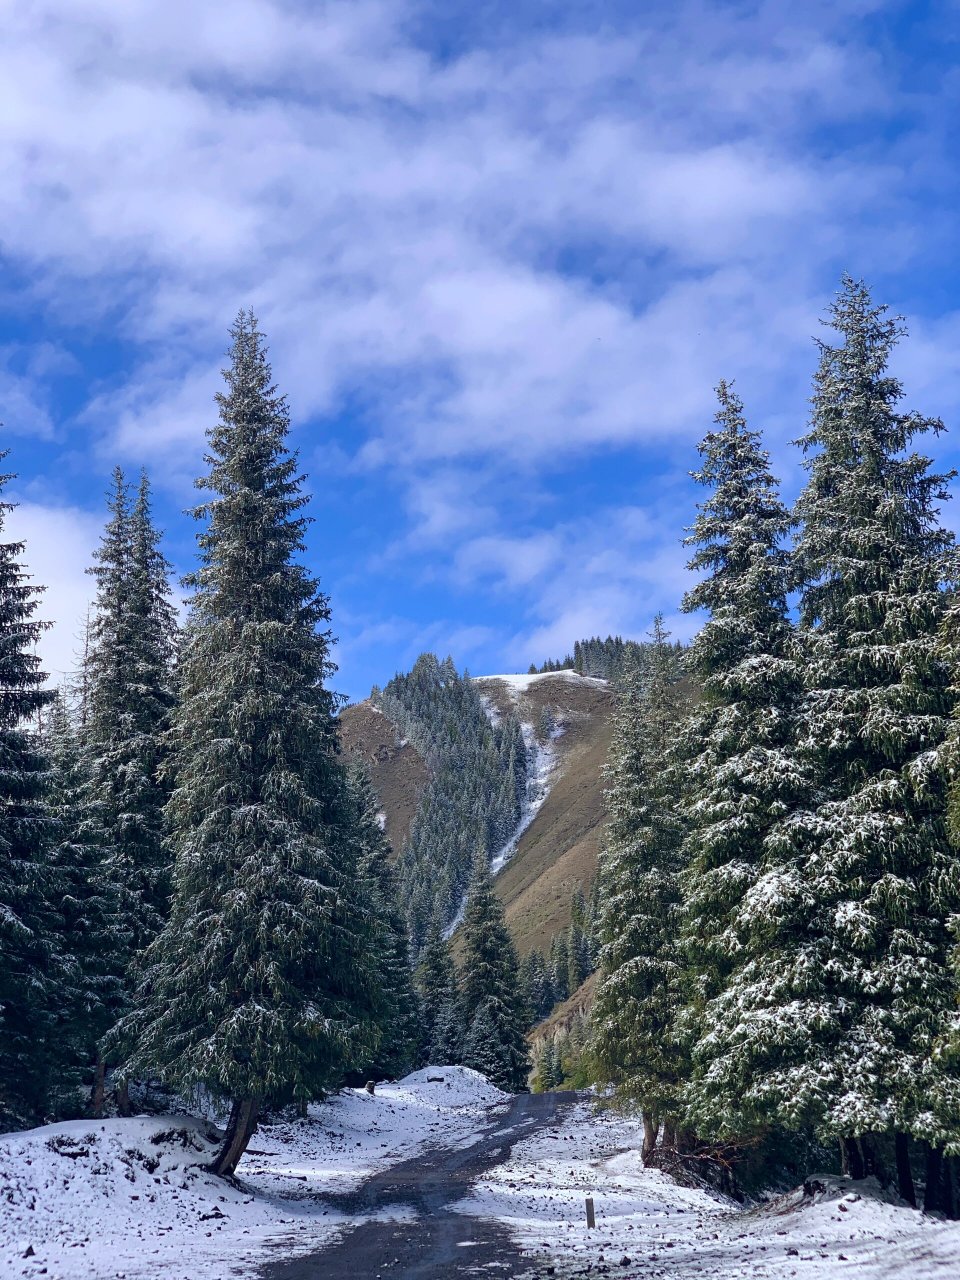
<point x="111" y="1198"/>
<point x="444" y="1089"/>
<point x="648" y="1226"/>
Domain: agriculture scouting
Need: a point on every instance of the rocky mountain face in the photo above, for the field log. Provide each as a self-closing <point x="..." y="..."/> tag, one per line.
<point x="566" y="720"/>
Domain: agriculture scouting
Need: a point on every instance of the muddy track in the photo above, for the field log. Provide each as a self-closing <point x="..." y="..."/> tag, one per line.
<point x="439" y="1243"/>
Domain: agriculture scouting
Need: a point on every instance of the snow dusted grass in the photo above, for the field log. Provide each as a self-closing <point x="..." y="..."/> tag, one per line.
<point x="518" y="684"/>
<point x="649" y="1227"/>
<point x="130" y="1198"/>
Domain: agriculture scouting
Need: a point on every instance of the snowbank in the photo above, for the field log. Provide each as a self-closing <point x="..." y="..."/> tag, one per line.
<point x="105" y="1198"/>
<point x="648" y="1226"/>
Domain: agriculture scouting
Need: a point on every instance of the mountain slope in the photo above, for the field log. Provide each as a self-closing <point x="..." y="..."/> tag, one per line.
<point x="397" y="770"/>
<point x="559" y="848"/>
<point x="567" y="722"/>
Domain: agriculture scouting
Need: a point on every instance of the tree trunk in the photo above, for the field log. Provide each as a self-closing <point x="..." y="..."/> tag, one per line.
<point x="123" y="1100"/>
<point x="243" y="1121"/>
<point x="669" y="1133"/>
<point x="904" y="1172"/>
<point x="99" y="1089"/>
<point x="933" y="1186"/>
<point x="854" y="1157"/>
<point x="872" y="1163"/>
<point x="947" y="1188"/>
<point x="650" y="1129"/>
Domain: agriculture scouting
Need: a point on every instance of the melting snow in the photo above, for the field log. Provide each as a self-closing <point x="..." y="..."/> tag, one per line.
<point x="541" y="766"/>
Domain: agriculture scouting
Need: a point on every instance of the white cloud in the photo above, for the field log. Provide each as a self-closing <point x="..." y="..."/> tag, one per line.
<point x="510" y="255"/>
<point x="60" y="542"/>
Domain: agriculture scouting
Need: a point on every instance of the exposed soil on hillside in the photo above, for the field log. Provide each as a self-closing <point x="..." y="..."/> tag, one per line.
<point x="398" y="773"/>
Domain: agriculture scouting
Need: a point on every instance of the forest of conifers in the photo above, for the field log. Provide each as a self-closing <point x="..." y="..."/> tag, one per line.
<point x="196" y="894"/>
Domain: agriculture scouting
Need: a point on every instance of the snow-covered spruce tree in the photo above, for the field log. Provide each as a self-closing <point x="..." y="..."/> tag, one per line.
<point x="259" y="986"/>
<point x="742" y="772"/>
<point x="435" y="983"/>
<point x="33" y="972"/>
<point x="128" y="671"/>
<point x="87" y="907"/>
<point x="873" y="559"/>
<point x="848" y="986"/>
<point x="560" y="967"/>
<point x="394" y="1010"/>
<point x="637" y="1044"/>
<point x="446" y="1044"/>
<point x="494" y="1007"/>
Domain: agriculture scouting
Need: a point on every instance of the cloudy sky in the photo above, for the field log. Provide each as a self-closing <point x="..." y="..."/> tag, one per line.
<point x="503" y="251"/>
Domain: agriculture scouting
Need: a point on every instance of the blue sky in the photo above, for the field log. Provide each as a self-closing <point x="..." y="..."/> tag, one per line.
<point x="503" y="253"/>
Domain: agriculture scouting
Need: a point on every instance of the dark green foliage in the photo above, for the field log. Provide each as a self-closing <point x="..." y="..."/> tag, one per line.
<point x="441" y="1022"/>
<point x="536" y="982"/>
<point x="261" y="985"/>
<point x="395" y="1006"/>
<point x="478" y="774"/>
<point x="34" y="975"/>
<point x="495" y="1014"/>
<point x="611" y="659"/>
<point x="638" y="1040"/>
<point x="847" y="987"/>
<point x="560" y="967"/>
<point x="128" y="699"/>
<point x="548" y="1070"/>
<point x="88" y="909"/>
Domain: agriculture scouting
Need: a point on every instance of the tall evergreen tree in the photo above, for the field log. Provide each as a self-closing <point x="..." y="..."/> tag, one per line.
<point x="259" y="986"/>
<point x="32" y="968"/>
<point x="638" y="1043"/>
<point x="128" y="698"/>
<point x="850" y="988"/>
<point x="742" y="771"/>
<point x="435" y="982"/>
<point x="493" y="1003"/>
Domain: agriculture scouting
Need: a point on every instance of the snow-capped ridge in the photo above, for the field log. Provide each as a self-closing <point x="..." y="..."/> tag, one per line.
<point x="520" y="683"/>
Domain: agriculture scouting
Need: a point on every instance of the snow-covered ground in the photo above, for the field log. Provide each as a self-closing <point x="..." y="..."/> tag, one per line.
<point x="130" y="1198"/>
<point x="125" y="1199"/>
<point x="647" y="1226"/>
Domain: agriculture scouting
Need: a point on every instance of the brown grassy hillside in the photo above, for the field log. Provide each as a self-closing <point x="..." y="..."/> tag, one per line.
<point x="559" y="849"/>
<point x="398" y="773"/>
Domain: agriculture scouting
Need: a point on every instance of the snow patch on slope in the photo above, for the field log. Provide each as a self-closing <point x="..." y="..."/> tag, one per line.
<point x="518" y="684"/>
<point x="541" y="768"/>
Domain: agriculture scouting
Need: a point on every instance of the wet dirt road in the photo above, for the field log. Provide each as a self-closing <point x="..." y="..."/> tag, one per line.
<point x="438" y="1243"/>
